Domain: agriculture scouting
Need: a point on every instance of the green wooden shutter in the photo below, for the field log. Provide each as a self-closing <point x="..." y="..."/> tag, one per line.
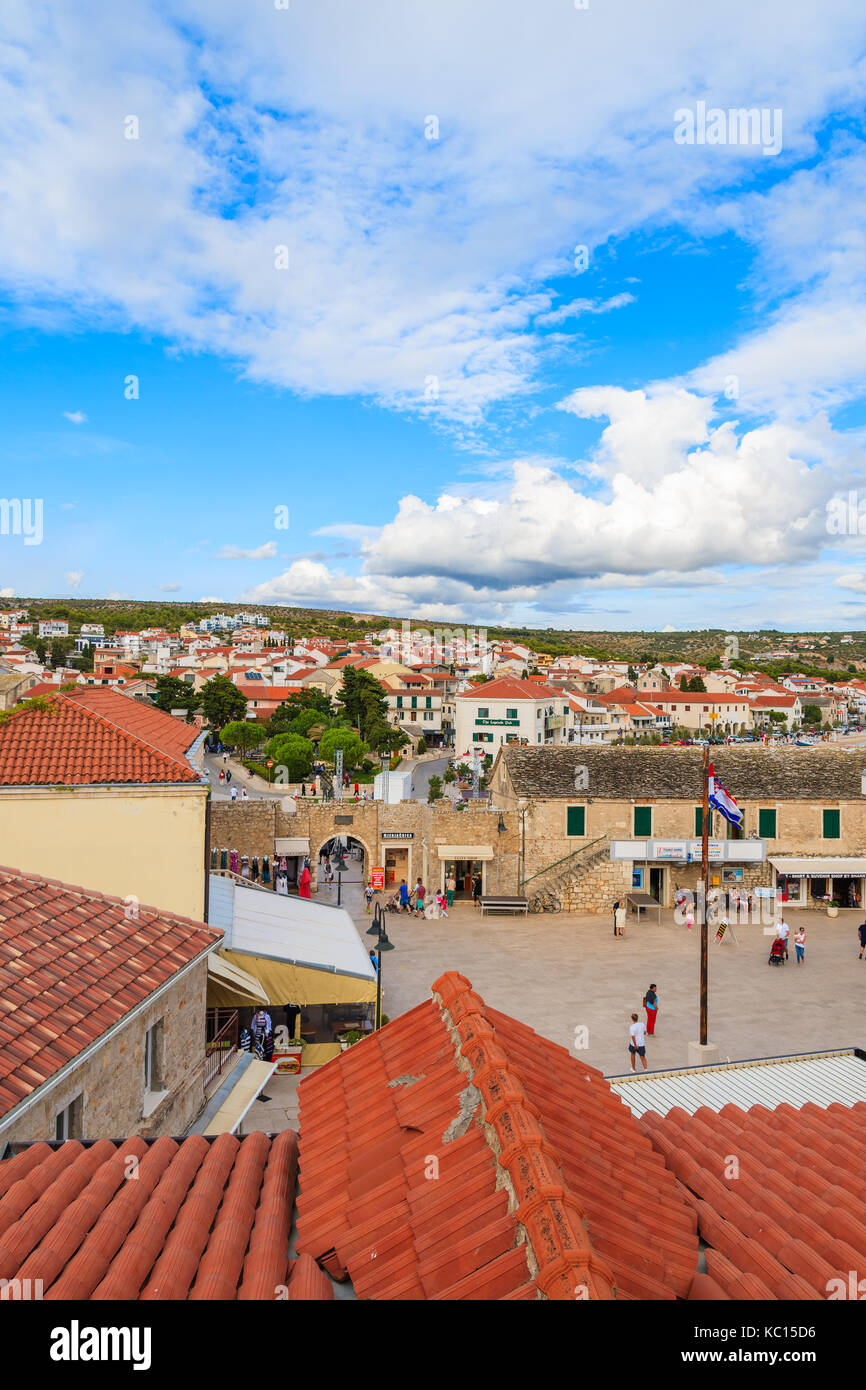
<point x="576" y="820"/>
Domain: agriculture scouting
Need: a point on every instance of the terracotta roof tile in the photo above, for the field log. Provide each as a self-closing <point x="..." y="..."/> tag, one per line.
<point x="455" y="1154"/>
<point x="95" y="735"/>
<point x="203" y="1219"/>
<point x="102" y="966"/>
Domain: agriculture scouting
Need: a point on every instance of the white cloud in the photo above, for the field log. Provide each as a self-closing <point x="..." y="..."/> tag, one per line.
<point x="73" y="578"/>
<point x="584" y="306"/>
<point x="538" y="112"/>
<point x="168" y="588"/>
<point x="7" y="593"/>
<point x="115" y="594"/>
<point x="234" y="552"/>
<point x="76" y="417"/>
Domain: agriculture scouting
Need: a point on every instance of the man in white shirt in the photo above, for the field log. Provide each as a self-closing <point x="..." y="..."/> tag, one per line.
<point x="637" y="1041"/>
<point x="783" y="932"/>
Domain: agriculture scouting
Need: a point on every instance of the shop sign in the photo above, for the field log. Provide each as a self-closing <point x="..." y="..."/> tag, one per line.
<point x="395" y="834"/>
<point x="715" y="849"/>
<point x="343" y="820"/>
<point x="377" y="878"/>
<point x="511" y="722"/>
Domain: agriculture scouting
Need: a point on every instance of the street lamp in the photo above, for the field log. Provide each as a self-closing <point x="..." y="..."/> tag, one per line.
<point x="382" y="944"/>
<point x="341" y="867"/>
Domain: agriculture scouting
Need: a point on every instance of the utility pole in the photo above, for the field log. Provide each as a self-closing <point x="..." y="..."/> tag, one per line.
<point x="705" y="858"/>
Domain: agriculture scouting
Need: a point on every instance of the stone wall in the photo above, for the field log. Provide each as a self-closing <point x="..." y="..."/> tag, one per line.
<point x="250" y="827"/>
<point x="111" y="1080"/>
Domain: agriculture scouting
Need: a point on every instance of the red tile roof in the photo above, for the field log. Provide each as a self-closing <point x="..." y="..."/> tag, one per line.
<point x="779" y="1194"/>
<point x="72" y="964"/>
<point x="507" y="688"/>
<point x="94" y="735"/>
<point x="457" y="1155"/>
<point x="206" y="1219"/>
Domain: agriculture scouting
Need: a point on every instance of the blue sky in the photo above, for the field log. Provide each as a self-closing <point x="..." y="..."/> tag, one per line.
<point x="394" y="336"/>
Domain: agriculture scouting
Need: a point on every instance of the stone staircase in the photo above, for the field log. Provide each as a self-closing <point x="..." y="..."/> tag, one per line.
<point x="576" y="883"/>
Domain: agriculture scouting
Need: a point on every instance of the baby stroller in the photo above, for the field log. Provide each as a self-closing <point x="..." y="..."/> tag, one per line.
<point x="777" y="952"/>
<point x="393" y="903"/>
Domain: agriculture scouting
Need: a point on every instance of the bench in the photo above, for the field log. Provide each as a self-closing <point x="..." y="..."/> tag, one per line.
<point x="503" y="904"/>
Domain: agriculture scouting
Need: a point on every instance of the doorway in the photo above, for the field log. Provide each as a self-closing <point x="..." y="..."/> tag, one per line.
<point x="464" y="871"/>
<point x="656" y="883"/>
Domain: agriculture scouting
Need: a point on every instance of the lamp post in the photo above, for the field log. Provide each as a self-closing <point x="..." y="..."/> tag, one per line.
<point x="382" y="944"/>
<point x="341" y="868"/>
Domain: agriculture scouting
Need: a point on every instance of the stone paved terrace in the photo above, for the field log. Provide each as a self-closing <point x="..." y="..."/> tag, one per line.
<point x="557" y="972"/>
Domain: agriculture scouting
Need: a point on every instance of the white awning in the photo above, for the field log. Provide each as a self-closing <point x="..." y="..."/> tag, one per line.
<point x="819" y="868"/>
<point x="291" y="844"/>
<point x="465" y="852"/>
<point x="247" y="1088"/>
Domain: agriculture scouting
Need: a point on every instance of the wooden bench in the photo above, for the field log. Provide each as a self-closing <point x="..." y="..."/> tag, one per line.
<point x="503" y="904"/>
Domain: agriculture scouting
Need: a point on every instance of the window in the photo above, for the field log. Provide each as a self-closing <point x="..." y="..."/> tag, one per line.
<point x="67" y="1124"/>
<point x="511" y="714"/>
<point x="399" y="701"/>
<point x="153" y="1058"/>
<point x="643" y="821"/>
<point x="831" y="825"/>
<point x="482" y="738"/>
<point x="576" y="823"/>
<point x="767" y="824"/>
<point x="483" y="712"/>
<point x="538" y="713"/>
<point x="428" y="700"/>
<point x="699" y="821"/>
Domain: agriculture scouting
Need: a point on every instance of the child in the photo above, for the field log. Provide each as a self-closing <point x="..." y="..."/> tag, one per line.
<point x="443" y="906"/>
<point x="368" y="894"/>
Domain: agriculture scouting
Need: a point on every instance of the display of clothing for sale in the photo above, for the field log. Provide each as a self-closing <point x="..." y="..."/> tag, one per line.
<point x="254" y="867"/>
<point x="266" y="868"/>
<point x="233" y="861"/>
<point x="283" y="865"/>
<point x="245" y="866"/>
<point x="283" y="884"/>
<point x="245" y="1040"/>
<point x="224" y="858"/>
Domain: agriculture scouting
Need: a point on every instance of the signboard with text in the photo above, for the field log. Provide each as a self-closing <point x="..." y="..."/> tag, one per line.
<point x="377" y="878"/>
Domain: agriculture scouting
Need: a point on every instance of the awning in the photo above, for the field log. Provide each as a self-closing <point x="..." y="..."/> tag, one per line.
<point x="237" y="1102"/>
<point x="465" y="852"/>
<point x="819" y="868"/>
<point x="229" y="986"/>
<point x="291" y="844"/>
<point x="287" y="983"/>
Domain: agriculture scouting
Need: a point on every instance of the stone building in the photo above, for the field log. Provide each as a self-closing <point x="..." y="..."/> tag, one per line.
<point x="102" y="1029"/>
<point x="408" y="839"/>
<point x="596" y="823"/>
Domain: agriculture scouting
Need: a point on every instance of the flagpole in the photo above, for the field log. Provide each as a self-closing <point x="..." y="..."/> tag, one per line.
<point x="705" y="858"/>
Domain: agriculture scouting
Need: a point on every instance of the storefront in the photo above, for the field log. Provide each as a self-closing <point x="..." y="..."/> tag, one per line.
<point x="464" y="862"/>
<point x="659" y="867"/>
<point x="817" y="882"/>
<point x="396" y="857"/>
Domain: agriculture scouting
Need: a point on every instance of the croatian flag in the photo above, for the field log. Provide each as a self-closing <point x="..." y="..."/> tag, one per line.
<point x="720" y="798"/>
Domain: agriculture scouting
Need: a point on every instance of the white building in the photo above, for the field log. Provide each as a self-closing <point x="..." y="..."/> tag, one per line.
<point x="53" y="627"/>
<point x="510" y="711"/>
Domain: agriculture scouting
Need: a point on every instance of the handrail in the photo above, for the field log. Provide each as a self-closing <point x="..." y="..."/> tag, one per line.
<point x="565" y="858"/>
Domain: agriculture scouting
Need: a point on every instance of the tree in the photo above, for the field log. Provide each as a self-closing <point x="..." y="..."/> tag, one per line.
<point x="173" y="693"/>
<point x="306" y="720"/>
<point x="696" y="685"/>
<point x="300" y="700"/>
<point x="812" y="714"/>
<point x="353" y="747"/>
<point x="422" y="744"/>
<point x="632" y="676"/>
<point x="363" y="700"/>
<point x="40" y="650"/>
<point x="684" y="682"/>
<point x="434" y="788"/>
<point x="450" y="775"/>
<point x="293" y="753"/>
<point x="245" y="734"/>
<point x="384" y="738"/>
<point x="221" y="702"/>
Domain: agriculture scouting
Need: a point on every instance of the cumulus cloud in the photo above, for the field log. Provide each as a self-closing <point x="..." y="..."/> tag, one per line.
<point x="76" y="417"/>
<point x="168" y="588"/>
<point x="73" y="578"/>
<point x="262" y="552"/>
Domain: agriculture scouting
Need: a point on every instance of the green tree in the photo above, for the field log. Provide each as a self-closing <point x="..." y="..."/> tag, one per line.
<point x="173" y="693"/>
<point x="422" y="744"/>
<point x="450" y="775"/>
<point x="221" y="702"/>
<point x="245" y="734"/>
<point x="293" y="753"/>
<point x="632" y="676"/>
<point x="384" y="738"/>
<point x="363" y="700"/>
<point x="696" y="685"/>
<point x="353" y="747"/>
<point x="40" y="650"/>
<point x="298" y="702"/>
<point x="812" y="714"/>
<point x="684" y="682"/>
<point x="434" y="788"/>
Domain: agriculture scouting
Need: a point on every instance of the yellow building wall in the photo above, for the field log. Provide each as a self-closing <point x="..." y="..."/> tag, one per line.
<point x="148" y="844"/>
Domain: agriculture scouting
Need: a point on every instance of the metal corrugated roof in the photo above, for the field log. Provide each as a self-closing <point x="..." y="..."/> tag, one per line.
<point x="821" y="1078"/>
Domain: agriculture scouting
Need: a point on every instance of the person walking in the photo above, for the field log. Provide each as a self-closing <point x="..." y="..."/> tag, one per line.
<point x="615" y="911"/>
<point x="637" y="1041"/>
<point x="234" y="793"/>
<point x="690" y="917"/>
<point x="222" y="777"/>
<point x="783" y="931"/>
<point x="450" y="888"/>
<point x="651" y="1004"/>
<point x="420" y="895"/>
<point x="404" y="896"/>
<point x="303" y="789"/>
<point x="357" y="789"/>
<point x="619" y="920"/>
<point x="228" y="777"/>
<point x="368" y="894"/>
<point x="800" y="946"/>
<point x="862" y="930"/>
<point x="245" y="796"/>
<point x="476" y="890"/>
